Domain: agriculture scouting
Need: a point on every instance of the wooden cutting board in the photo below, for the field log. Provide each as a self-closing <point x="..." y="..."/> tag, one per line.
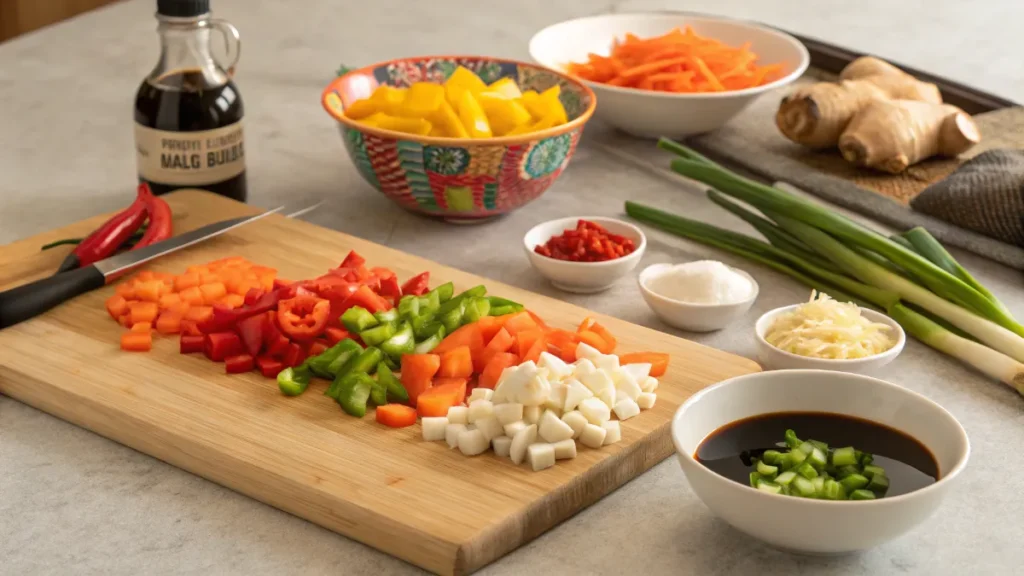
<point x="416" y="500"/>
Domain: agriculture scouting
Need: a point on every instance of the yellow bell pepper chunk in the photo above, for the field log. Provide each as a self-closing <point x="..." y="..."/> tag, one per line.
<point x="506" y="87"/>
<point x="423" y="99"/>
<point x="460" y="81"/>
<point x="446" y="122"/>
<point x="388" y="99"/>
<point x="546" y="103"/>
<point x="374" y="119"/>
<point x="361" y="109"/>
<point x="503" y="114"/>
<point x="473" y="117"/>
<point x="417" y="126"/>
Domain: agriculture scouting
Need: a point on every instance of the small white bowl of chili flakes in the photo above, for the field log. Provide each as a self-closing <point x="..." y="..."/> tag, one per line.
<point x="584" y="254"/>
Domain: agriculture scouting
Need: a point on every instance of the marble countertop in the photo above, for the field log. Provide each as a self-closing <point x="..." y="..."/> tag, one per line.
<point x="74" y="502"/>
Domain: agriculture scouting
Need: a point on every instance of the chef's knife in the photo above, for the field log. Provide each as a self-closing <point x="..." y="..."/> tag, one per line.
<point x="29" y="300"/>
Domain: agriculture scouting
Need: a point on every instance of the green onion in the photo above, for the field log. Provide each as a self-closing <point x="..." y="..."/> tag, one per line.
<point x="802" y="487"/>
<point x="765" y="470"/>
<point x="806" y="470"/>
<point x="870" y="470"/>
<point x="879" y="483"/>
<point x="818" y="459"/>
<point x="791" y="440"/>
<point x="862" y="495"/>
<point x="844" y="457"/>
<point x="785" y="478"/>
<point x="854" y="482"/>
<point x="771" y="457"/>
<point x="926" y="245"/>
<point x="769" y="487"/>
<point x="834" y="490"/>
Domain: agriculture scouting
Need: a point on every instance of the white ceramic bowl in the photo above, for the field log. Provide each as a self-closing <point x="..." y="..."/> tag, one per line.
<point x="773" y="358"/>
<point x="818" y="526"/>
<point x="583" y="277"/>
<point x="648" y="113"/>
<point x="693" y="317"/>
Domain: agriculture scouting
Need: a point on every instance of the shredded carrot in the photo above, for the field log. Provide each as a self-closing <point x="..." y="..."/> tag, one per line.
<point x="679" y="61"/>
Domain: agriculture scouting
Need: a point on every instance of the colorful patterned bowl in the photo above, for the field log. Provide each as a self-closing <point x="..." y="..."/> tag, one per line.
<point x="455" y="178"/>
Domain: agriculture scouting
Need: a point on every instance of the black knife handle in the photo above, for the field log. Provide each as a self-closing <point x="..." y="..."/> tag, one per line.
<point x="32" y="299"/>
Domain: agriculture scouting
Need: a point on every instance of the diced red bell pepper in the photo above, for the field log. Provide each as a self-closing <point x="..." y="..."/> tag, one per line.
<point x="389" y="288"/>
<point x="366" y="298"/>
<point x="253" y="296"/>
<point x="445" y="393"/>
<point x="253" y="330"/>
<point x="238" y="364"/>
<point x="382" y="273"/>
<point x="269" y="367"/>
<point x="303" y="317"/>
<point x="352" y="260"/>
<point x="220" y="345"/>
<point x="278" y="347"/>
<point x="227" y="318"/>
<point x="281" y="283"/>
<point x="520" y="322"/>
<point x="294" y="355"/>
<point x="657" y="360"/>
<point x="316" y="348"/>
<point x="335" y="334"/>
<point x="456" y="363"/>
<point x="190" y="343"/>
<point x="496" y="365"/>
<point x="417" y="285"/>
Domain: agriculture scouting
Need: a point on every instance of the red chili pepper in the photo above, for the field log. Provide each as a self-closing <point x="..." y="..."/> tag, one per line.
<point x="109" y="236"/>
<point x="159" y="218"/>
<point x="588" y="242"/>
<point x="303" y="317"/>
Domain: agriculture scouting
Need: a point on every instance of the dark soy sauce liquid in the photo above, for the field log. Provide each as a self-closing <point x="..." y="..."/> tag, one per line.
<point x="908" y="464"/>
<point x="185" y="101"/>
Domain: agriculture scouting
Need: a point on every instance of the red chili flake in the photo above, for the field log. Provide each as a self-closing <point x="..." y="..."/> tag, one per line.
<point x="588" y="242"/>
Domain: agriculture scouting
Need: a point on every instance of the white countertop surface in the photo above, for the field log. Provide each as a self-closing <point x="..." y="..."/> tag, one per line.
<point x="74" y="502"/>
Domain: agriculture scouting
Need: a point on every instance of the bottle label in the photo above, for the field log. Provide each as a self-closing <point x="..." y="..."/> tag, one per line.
<point x="190" y="158"/>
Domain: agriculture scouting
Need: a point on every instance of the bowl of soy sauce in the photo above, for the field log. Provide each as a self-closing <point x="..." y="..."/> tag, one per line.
<point x="816" y="461"/>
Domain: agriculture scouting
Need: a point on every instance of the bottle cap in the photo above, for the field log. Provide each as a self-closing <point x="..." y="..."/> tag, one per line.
<point x="182" y="8"/>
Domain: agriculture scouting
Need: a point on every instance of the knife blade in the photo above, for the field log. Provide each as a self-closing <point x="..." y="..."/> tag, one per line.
<point x="29" y="300"/>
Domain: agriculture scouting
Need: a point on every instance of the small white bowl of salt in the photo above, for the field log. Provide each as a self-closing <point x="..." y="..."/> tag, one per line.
<point x="700" y="296"/>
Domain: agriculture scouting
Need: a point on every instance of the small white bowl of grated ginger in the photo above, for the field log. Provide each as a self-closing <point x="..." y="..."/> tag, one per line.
<point x="824" y="334"/>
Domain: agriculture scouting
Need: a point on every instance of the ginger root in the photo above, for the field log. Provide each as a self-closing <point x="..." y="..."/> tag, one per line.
<point x="880" y="116"/>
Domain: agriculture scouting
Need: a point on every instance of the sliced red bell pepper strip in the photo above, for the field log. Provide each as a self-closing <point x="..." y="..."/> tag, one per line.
<point x="352" y="260"/>
<point x="227" y="318"/>
<point x="253" y="296"/>
<point x="417" y="285"/>
<point x="303" y="317"/>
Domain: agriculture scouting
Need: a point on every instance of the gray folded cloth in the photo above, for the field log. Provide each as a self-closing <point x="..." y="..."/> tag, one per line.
<point x="985" y="194"/>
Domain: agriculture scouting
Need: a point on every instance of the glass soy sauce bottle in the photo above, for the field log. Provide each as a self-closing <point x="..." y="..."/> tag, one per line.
<point x="188" y="112"/>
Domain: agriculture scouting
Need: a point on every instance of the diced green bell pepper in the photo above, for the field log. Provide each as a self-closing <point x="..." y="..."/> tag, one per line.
<point x="430" y="302"/>
<point x="396" y="391"/>
<point x="424" y="326"/>
<point x="498" y="301"/>
<point x="386" y="316"/>
<point x="427" y="344"/>
<point x="378" y="393"/>
<point x="476" y="309"/>
<point x="474" y="292"/>
<point x="321" y="364"/>
<point x="362" y="363"/>
<point x="294" y="381"/>
<point x="445" y="292"/>
<point x="356" y="319"/>
<point x="452" y="319"/>
<point x="402" y="342"/>
<point x="390" y="362"/>
<point x="353" y="393"/>
<point x="504" y="310"/>
<point x="409" y="307"/>
<point x="378" y="334"/>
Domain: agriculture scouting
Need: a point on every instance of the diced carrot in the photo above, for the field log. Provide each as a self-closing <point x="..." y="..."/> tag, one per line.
<point x="168" y="323"/>
<point x="199" y="314"/>
<point x="178" y="308"/>
<point x="396" y="415"/>
<point x="149" y="291"/>
<point x="186" y="280"/>
<point x="520" y="322"/>
<point x="489" y="326"/>
<point x="266" y="281"/>
<point x="539" y="345"/>
<point x="591" y="338"/>
<point x="225" y="262"/>
<point x="136" y="341"/>
<point x="126" y="290"/>
<point x="117" y="306"/>
<point x="456" y="363"/>
<point x="146" y="327"/>
<point x="444" y="394"/>
<point x="190" y="328"/>
<point x="497" y="364"/>
<point x="168" y="300"/>
<point x="468" y="335"/>
<point x="245" y="285"/>
<point x="143" y="311"/>
<point x="417" y="372"/>
<point x="145" y="276"/>
<point x="208" y="277"/>
<point x="212" y="292"/>
<point x="525" y="340"/>
<point x="657" y="360"/>
<point x="193" y="295"/>
<point x="232" y="300"/>
<point x="261" y="270"/>
<point x="167" y="279"/>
